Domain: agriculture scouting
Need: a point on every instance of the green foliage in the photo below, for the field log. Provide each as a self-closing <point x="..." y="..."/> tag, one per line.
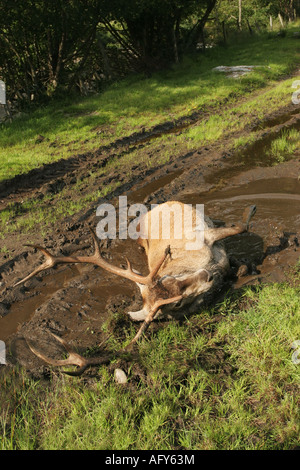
<point x="75" y="126"/>
<point x="255" y="14"/>
<point x="52" y="47"/>
<point x="42" y="45"/>
<point x="44" y="52"/>
<point x="285" y="145"/>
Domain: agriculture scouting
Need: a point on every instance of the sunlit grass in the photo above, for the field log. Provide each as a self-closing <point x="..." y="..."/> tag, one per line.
<point x="285" y="145"/>
<point x="64" y="128"/>
<point x="222" y="380"/>
<point x="228" y="122"/>
<point x="25" y="217"/>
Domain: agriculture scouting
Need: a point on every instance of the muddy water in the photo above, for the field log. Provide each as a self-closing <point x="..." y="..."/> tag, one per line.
<point x="275" y="121"/>
<point x="278" y="211"/>
<point x="21" y="311"/>
<point x="140" y="194"/>
<point x="96" y="290"/>
<point x="257" y="154"/>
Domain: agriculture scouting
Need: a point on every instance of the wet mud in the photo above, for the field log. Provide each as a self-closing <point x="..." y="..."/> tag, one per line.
<point x="58" y="174"/>
<point x="78" y="301"/>
<point x="275" y="227"/>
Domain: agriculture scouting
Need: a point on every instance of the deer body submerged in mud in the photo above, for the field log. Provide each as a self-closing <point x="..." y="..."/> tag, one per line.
<point x="182" y="271"/>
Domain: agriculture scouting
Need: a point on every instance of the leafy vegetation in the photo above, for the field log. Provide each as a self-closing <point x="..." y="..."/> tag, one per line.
<point x="43" y="52"/>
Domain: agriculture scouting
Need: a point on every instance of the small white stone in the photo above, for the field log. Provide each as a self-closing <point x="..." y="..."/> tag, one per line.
<point x="120" y="376"/>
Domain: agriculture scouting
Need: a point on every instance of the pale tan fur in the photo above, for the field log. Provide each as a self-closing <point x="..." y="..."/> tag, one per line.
<point x="189" y="273"/>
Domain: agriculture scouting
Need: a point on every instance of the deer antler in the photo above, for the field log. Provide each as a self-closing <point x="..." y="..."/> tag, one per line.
<point x="96" y="259"/>
<point x="157" y="305"/>
<point x="83" y="363"/>
<point x="73" y="358"/>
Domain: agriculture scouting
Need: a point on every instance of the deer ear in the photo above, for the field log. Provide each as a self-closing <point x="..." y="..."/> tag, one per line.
<point x="201" y="276"/>
<point x="178" y="285"/>
<point x="169" y="283"/>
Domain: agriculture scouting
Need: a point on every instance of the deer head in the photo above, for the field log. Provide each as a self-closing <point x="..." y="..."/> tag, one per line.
<point x="154" y="294"/>
<point x="184" y="287"/>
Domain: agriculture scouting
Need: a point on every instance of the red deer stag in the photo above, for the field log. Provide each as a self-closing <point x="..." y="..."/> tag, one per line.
<point x="178" y="279"/>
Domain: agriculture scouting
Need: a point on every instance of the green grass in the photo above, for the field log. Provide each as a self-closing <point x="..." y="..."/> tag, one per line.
<point x="224" y="379"/>
<point x="285" y="145"/>
<point x="128" y="106"/>
<point x="230" y="121"/>
<point x="46" y="211"/>
<point x="96" y="121"/>
<point x="23" y="218"/>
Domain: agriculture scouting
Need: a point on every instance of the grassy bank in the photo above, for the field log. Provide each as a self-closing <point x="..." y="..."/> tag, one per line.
<point x="226" y="106"/>
<point x="63" y="128"/>
<point x="224" y="379"/>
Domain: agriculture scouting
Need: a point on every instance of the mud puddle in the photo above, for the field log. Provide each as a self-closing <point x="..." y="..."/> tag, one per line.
<point x="275" y="120"/>
<point x="278" y="212"/>
<point x="74" y="301"/>
<point x="143" y="193"/>
<point x="82" y="291"/>
<point x="254" y="155"/>
<point x="257" y="154"/>
<point x="21" y="311"/>
<point x="275" y="226"/>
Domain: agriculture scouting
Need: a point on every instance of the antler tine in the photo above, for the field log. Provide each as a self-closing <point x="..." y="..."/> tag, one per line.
<point x="150" y="317"/>
<point x="96" y="242"/>
<point x="73" y="359"/>
<point x="49" y="263"/>
<point x="96" y="259"/>
<point x="127" y="273"/>
<point x="160" y="262"/>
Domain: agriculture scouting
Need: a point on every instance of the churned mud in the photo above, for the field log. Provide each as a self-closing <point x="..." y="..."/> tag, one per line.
<point x="78" y="301"/>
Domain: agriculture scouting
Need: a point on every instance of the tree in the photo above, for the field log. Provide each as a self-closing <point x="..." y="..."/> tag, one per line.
<point x="46" y="47"/>
<point x="254" y="13"/>
<point x="151" y="29"/>
<point x="45" y="44"/>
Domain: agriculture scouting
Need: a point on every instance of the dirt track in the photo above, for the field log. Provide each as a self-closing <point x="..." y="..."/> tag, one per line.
<point x="75" y="301"/>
